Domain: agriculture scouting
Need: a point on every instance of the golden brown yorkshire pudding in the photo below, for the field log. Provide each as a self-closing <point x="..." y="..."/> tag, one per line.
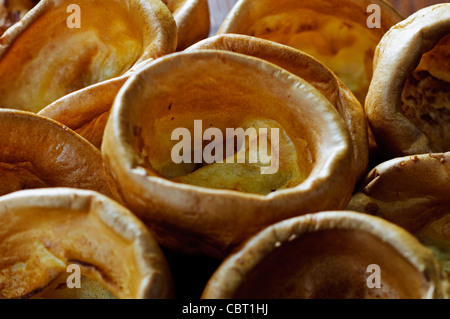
<point x="192" y="18"/>
<point x="212" y="207"/>
<point x="36" y="152"/>
<point x="38" y="67"/>
<point x="329" y="255"/>
<point x="335" y="32"/>
<point x="86" y="111"/>
<point x="408" y="104"/>
<point x="412" y="192"/>
<point x="12" y="11"/>
<point x="44" y="231"/>
<point x="311" y="70"/>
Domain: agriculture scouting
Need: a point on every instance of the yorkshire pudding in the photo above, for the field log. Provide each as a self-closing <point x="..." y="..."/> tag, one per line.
<point x="12" y="11"/>
<point x="408" y="104"/>
<point x="36" y="152"/>
<point x="412" y="192"/>
<point x="335" y="32"/>
<point x="311" y="70"/>
<point x="44" y="57"/>
<point x="329" y="255"/>
<point x="86" y="111"/>
<point x="212" y="207"/>
<point x="192" y="18"/>
<point x="44" y="231"/>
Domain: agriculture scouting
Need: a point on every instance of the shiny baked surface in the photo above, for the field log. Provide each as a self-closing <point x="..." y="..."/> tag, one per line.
<point x="42" y="66"/>
<point x="42" y="232"/>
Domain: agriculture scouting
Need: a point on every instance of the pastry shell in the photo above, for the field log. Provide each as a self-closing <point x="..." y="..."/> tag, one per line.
<point x="86" y="111"/>
<point x="397" y="56"/>
<point x="335" y="32"/>
<point x="44" y="231"/>
<point x="411" y="192"/>
<point x="311" y="70"/>
<point x="43" y="57"/>
<point x="214" y="86"/>
<point x="327" y="256"/>
<point x="36" y="152"/>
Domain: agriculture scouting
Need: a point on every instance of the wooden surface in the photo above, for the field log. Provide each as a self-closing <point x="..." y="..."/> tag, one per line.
<point x="220" y="8"/>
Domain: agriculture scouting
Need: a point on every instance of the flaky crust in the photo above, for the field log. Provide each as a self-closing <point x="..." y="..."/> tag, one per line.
<point x="311" y="70"/>
<point x="195" y="219"/>
<point x="397" y="55"/>
<point x="382" y="241"/>
<point x="79" y="227"/>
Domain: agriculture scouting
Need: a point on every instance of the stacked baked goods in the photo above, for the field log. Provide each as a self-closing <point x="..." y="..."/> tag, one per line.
<point x="127" y="136"/>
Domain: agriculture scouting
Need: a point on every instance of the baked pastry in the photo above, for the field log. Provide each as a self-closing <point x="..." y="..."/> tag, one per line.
<point x="36" y="152"/>
<point x="192" y="18"/>
<point x="329" y="255"/>
<point x="412" y="192"/>
<point x="408" y="104"/>
<point x="12" y="11"/>
<point x="86" y="111"/>
<point x="335" y="32"/>
<point x="38" y="67"/>
<point x="211" y="206"/>
<point x="309" y="69"/>
<point x="45" y="231"/>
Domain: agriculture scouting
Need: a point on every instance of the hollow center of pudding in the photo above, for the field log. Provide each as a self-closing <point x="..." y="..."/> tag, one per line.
<point x="38" y="244"/>
<point x="346" y="47"/>
<point x="50" y="60"/>
<point x="255" y="156"/>
<point x="426" y="95"/>
<point x="333" y="264"/>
